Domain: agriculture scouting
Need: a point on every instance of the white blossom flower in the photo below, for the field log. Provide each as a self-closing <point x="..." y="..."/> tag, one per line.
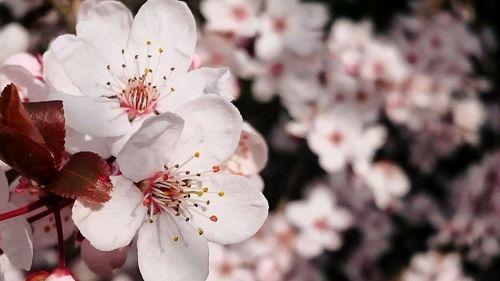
<point x="227" y="265"/>
<point x="130" y="69"/>
<point x="290" y="25"/>
<point x="434" y="266"/>
<point x="320" y="222"/>
<point x="387" y="181"/>
<point x="339" y="138"/>
<point x="15" y="39"/>
<point x="236" y="17"/>
<point x="179" y="199"/>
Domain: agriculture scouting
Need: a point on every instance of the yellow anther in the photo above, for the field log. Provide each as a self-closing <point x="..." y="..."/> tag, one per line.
<point x="205" y="189"/>
<point x="200" y="193"/>
<point x="200" y="231"/>
<point x="148" y="43"/>
<point x="221" y="193"/>
<point x="196" y="154"/>
<point x="172" y="89"/>
<point x="175" y="238"/>
<point x="160" y="50"/>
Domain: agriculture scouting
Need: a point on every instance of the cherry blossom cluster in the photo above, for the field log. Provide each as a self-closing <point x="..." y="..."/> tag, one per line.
<point x="128" y="152"/>
<point x="145" y="150"/>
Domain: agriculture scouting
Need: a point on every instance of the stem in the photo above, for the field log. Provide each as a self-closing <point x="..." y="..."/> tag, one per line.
<point x="60" y="238"/>
<point x="48" y="212"/>
<point x="23" y="210"/>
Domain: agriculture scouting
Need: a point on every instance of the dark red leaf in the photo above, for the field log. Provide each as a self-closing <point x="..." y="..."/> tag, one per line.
<point x="48" y="117"/>
<point x="14" y="115"/>
<point x="84" y="177"/>
<point x="29" y="158"/>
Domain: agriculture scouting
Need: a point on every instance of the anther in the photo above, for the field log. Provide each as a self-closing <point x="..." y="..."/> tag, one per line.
<point x="175" y="238"/>
<point x="221" y="193"/>
<point x="108" y="67"/>
<point x="148" y="43"/>
<point x="205" y="189"/>
<point x="200" y="231"/>
<point x="197" y="154"/>
<point x="214" y="218"/>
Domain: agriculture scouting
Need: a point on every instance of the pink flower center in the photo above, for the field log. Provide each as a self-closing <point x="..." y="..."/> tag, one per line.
<point x="240" y="13"/>
<point x="280" y="25"/>
<point x="136" y="85"/>
<point x="180" y="193"/>
<point x="322" y="224"/>
<point x="337" y="138"/>
<point x="277" y="69"/>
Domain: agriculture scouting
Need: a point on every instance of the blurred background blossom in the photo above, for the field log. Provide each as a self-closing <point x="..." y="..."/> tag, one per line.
<point x="373" y="130"/>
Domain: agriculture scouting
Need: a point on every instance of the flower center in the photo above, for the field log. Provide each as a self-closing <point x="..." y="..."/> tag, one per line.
<point x="178" y="192"/>
<point x="137" y="86"/>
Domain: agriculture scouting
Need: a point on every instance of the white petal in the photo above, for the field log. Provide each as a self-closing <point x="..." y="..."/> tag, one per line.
<point x="35" y="89"/>
<point x="161" y="258"/>
<point x="82" y="65"/>
<point x="167" y="24"/>
<point x="269" y="46"/>
<point x="240" y="212"/>
<point x="76" y="142"/>
<point x="252" y="153"/>
<point x="212" y="127"/>
<point x="16" y="238"/>
<point x="264" y="89"/>
<point x="106" y="27"/>
<point x="113" y="224"/>
<point x="194" y="84"/>
<point x="15" y="38"/>
<point x="55" y="76"/>
<point x="147" y="151"/>
<point x="88" y="116"/>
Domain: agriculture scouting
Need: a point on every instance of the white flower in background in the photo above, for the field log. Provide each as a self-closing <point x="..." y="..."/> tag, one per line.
<point x="227" y="265"/>
<point x="290" y="25"/>
<point x="468" y="116"/>
<point x="272" y="77"/>
<point x="15" y="233"/>
<point x="14" y="38"/>
<point x="174" y="194"/>
<point x="319" y="220"/>
<point x="128" y="70"/>
<point x="435" y="266"/>
<point x="339" y="138"/>
<point x="250" y="157"/>
<point x="25" y="71"/>
<point x="236" y="17"/>
<point x="387" y="181"/>
<point x="8" y="271"/>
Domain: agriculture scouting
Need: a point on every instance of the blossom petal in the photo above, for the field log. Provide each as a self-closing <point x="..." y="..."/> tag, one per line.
<point x="16" y="238"/>
<point x="212" y="128"/>
<point x="146" y="152"/>
<point x="237" y="209"/>
<point x="106" y="27"/>
<point x="167" y="24"/>
<point x="195" y="84"/>
<point x="89" y="117"/>
<point x="161" y="258"/>
<point x="113" y="224"/>
<point x="82" y="65"/>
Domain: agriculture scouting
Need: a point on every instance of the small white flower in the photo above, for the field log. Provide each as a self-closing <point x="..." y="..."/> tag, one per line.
<point x="290" y="25"/>
<point x="236" y="17"/>
<point x="320" y="222"/>
<point x="387" y="181"/>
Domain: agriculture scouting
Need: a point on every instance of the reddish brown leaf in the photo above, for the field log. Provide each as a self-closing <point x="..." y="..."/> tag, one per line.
<point x="29" y="158"/>
<point x="14" y="115"/>
<point x="84" y="177"/>
<point x="48" y="117"/>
